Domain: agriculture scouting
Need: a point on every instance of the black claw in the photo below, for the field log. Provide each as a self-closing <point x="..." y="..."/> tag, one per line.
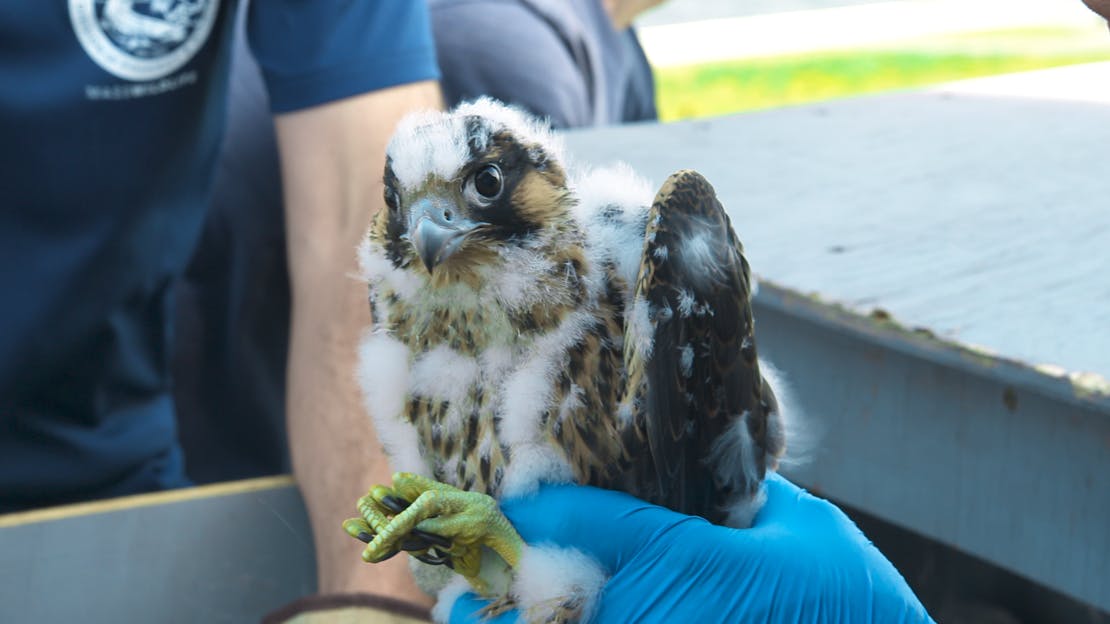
<point x="414" y="542"/>
<point x="396" y="504"/>
<point x="423" y="540"/>
<point x="439" y="558"/>
<point x="432" y="538"/>
<point x="429" y="559"/>
<point x="365" y="537"/>
<point x="392" y="554"/>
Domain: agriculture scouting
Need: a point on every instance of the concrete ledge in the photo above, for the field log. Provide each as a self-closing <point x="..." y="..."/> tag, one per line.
<point x="991" y="457"/>
<point x="223" y="553"/>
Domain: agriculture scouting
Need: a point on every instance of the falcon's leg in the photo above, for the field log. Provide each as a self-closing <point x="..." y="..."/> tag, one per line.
<point x="498" y="606"/>
<point x="469" y="520"/>
<point x="559" y="611"/>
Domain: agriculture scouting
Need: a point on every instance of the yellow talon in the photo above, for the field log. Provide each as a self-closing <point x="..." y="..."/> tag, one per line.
<point x="471" y="520"/>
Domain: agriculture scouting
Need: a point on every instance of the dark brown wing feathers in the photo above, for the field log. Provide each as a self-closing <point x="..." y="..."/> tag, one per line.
<point x="702" y="373"/>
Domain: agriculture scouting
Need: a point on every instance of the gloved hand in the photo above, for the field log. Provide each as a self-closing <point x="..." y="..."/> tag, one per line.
<point x="802" y="561"/>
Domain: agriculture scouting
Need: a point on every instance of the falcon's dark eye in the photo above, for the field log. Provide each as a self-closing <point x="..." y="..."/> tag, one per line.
<point x="487" y="181"/>
<point x="391" y="198"/>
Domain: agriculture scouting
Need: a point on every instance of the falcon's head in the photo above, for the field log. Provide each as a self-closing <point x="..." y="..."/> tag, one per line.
<point x="466" y="187"/>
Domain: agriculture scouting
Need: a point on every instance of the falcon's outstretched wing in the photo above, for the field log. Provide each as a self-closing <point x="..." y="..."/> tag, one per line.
<point x="701" y="401"/>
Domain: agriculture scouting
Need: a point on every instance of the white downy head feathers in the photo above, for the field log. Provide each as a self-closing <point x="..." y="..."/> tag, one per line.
<point x="438" y="143"/>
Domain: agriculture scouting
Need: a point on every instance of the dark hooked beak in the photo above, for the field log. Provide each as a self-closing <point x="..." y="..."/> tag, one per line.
<point x="437" y="229"/>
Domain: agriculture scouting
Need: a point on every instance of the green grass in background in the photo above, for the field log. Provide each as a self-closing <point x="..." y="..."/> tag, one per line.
<point x="750" y="84"/>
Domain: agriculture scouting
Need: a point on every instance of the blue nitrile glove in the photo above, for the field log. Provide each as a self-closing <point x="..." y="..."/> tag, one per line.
<point x="802" y="561"/>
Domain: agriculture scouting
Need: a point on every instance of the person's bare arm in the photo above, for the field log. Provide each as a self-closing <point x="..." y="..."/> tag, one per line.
<point x="332" y="159"/>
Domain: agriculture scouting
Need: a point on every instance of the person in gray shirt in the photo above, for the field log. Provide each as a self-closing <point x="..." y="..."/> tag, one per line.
<point x="576" y="62"/>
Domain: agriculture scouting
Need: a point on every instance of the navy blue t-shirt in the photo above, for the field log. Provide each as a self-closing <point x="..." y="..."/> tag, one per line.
<point x="111" y="114"/>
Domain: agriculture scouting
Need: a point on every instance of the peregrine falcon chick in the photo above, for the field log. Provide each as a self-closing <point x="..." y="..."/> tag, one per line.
<point x="534" y="324"/>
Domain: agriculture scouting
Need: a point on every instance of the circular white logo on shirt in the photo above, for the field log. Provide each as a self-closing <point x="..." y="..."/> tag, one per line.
<point x="142" y="39"/>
